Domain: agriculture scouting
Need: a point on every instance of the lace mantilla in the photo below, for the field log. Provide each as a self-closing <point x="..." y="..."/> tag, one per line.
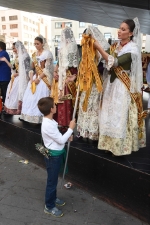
<point x="98" y="36"/>
<point x="68" y="55"/>
<point x="24" y="68"/>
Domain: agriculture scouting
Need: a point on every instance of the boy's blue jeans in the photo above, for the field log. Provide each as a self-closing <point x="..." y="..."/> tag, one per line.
<point x="53" y="166"/>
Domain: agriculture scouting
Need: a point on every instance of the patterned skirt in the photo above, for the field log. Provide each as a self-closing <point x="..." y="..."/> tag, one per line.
<point x="87" y="123"/>
<point x="118" y="121"/>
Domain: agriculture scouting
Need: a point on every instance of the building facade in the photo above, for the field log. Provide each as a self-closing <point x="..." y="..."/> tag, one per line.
<point x="57" y="24"/>
<point x="23" y="26"/>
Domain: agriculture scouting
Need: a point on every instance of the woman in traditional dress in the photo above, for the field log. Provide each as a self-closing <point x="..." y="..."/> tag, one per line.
<point x="121" y="116"/>
<point x="90" y="83"/>
<point x="40" y="82"/>
<point x="19" y="80"/>
<point x="65" y="73"/>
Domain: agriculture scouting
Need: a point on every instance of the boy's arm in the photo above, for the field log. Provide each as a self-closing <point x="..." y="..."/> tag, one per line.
<point x="56" y="136"/>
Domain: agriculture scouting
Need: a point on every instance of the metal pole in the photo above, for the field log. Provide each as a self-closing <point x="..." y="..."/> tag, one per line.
<point x="68" y="146"/>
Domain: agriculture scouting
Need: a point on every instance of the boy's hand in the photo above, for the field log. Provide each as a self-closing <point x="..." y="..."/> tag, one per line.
<point x="72" y="124"/>
<point x="71" y="138"/>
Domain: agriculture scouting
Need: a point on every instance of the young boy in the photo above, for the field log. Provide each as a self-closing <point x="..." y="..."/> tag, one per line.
<point x="54" y="141"/>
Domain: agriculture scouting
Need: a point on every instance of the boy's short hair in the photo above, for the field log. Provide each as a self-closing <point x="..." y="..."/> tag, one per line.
<point x="45" y="105"/>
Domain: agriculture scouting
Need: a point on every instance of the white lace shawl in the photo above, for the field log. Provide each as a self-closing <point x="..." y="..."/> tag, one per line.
<point x="49" y="68"/>
<point x="135" y="73"/>
<point x="68" y="55"/>
<point x="24" y="68"/>
<point x="98" y="36"/>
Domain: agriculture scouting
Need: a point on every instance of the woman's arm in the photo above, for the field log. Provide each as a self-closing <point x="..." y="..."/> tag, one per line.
<point x="101" y="51"/>
<point x="6" y="61"/>
<point x="123" y="59"/>
<point x="56" y="76"/>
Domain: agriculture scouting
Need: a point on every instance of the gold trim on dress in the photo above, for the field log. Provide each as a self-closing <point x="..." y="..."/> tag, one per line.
<point x="39" y="70"/>
<point x="88" y="72"/>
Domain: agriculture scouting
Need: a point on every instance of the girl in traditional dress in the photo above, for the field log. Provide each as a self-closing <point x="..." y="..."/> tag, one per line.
<point x="19" y="80"/>
<point x="40" y="82"/>
<point x="90" y="83"/>
<point x="65" y="74"/>
<point x="121" y="116"/>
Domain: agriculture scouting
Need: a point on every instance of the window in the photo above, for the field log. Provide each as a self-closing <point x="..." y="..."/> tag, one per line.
<point x="3" y="18"/>
<point x="25" y="19"/>
<point x="25" y="27"/>
<point x="68" y="24"/>
<point x="58" y="25"/>
<point x="30" y="28"/>
<point x="30" y="21"/>
<point x="33" y="30"/>
<point x="107" y="35"/>
<point x="25" y="42"/>
<point x="14" y="34"/>
<point x="81" y="24"/>
<point x="12" y="26"/>
<point x="80" y="36"/>
<point x="13" y="17"/>
<point x="57" y="38"/>
<point x="3" y="27"/>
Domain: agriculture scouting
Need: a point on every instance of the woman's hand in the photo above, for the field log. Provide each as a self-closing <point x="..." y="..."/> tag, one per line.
<point x="37" y="81"/>
<point x="56" y="76"/>
<point x="70" y="78"/>
<point x="60" y="94"/>
<point x="15" y="74"/>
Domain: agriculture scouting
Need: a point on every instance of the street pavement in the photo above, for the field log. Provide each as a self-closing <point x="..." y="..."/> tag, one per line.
<point x="22" y="189"/>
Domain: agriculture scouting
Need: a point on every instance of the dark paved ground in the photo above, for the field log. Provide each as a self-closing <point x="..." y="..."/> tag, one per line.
<point x="22" y="199"/>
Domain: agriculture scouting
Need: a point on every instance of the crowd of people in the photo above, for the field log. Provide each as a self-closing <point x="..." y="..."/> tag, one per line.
<point x="109" y="78"/>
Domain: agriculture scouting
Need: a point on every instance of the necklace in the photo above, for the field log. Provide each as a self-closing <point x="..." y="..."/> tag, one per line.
<point x="124" y="44"/>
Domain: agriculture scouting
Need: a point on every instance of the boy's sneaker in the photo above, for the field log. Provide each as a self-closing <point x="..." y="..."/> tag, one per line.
<point x="54" y="212"/>
<point x="59" y="202"/>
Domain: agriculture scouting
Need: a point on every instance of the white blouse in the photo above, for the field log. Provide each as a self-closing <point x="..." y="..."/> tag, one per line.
<point x="52" y="138"/>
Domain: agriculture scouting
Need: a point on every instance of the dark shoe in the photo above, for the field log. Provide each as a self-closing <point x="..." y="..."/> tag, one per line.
<point x="60" y="202"/>
<point x="20" y="119"/>
<point x="54" y="212"/>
